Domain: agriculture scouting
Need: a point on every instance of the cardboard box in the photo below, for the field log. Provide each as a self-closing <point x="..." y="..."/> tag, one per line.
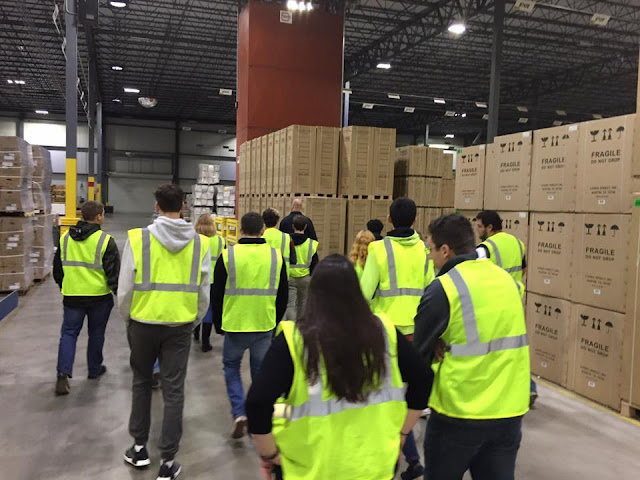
<point x="20" y="281"/>
<point x="471" y="216"/>
<point x="380" y="210"/>
<point x="491" y="178"/>
<point x="381" y="175"/>
<point x="358" y="214"/>
<point x="428" y="215"/>
<point x="548" y="321"/>
<point x="517" y="224"/>
<point x="447" y="166"/>
<point x="470" y="178"/>
<point x="601" y="260"/>
<point x="435" y="158"/>
<point x="357" y="146"/>
<point x="510" y="171"/>
<point x="447" y="193"/>
<point x="595" y="354"/>
<point x="411" y="160"/>
<point x="550" y="254"/>
<point x="605" y="181"/>
<point x="411" y="187"/>
<point x="326" y="162"/>
<point x="329" y="219"/>
<point x="12" y="243"/>
<point x="554" y="169"/>
<point x="299" y="160"/>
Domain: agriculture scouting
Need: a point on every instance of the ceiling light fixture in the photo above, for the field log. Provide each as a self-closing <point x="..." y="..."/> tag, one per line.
<point x="409" y="109"/>
<point x="485" y="116"/>
<point x="481" y="105"/>
<point x="449" y="113"/>
<point x="457" y="28"/>
<point x="600" y="19"/>
<point x="557" y="123"/>
<point x="42" y="112"/>
<point x="131" y="90"/>
<point x="562" y="113"/>
<point x="597" y="116"/>
<point x="525" y="6"/>
<point x="439" y="101"/>
<point x="464" y="115"/>
<point x="449" y="135"/>
<point x="147" y="102"/>
<point x="393" y="96"/>
<point x="116" y="100"/>
<point x="368" y="106"/>
<point x="299" y="6"/>
<point x="384" y="66"/>
<point x="10" y="81"/>
<point x="118" y="4"/>
<point x="116" y="68"/>
<point x="226" y="91"/>
<point x="523" y="120"/>
<point x="522" y="109"/>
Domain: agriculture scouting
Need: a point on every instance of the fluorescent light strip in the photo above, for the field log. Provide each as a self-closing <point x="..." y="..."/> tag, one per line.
<point x="131" y="90"/>
<point x="384" y="66"/>
<point x="439" y="101"/>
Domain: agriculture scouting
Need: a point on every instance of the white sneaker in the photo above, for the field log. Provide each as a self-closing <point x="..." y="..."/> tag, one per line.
<point x="425" y="413"/>
<point x="239" y="427"/>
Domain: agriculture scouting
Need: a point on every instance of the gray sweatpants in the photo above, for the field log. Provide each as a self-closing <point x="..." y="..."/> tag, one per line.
<point x="297" y="296"/>
<point x="170" y="345"/>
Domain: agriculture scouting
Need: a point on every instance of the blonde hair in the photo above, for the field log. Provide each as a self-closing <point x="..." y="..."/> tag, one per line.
<point x="360" y="248"/>
<point x="205" y="226"/>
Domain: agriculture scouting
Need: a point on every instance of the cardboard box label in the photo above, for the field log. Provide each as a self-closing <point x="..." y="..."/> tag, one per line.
<point x="470" y="172"/>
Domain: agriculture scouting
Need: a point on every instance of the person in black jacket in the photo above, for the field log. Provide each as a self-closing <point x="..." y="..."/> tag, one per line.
<point x="286" y="225"/>
<point x="79" y="291"/>
<point x="375" y="226"/>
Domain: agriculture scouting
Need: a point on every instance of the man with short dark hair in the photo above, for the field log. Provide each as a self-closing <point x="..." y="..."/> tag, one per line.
<point x="86" y="268"/>
<point x="163" y="292"/>
<point x="277" y="239"/>
<point x="248" y="299"/>
<point x="307" y="259"/>
<point x="471" y="319"/>
<point x="375" y="226"/>
<point x="286" y="225"/>
<point x="394" y="278"/>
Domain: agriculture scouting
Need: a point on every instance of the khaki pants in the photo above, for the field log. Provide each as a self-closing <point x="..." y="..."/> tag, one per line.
<point x="297" y="296"/>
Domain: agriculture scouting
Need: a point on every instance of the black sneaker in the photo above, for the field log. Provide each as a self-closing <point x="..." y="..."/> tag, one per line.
<point x="169" y="472"/>
<point x="415" y="470"/>
<point x="62" y="385"/>
<point x="101" y="371"/>
<point x="206" y="347"/>
<point x="532" y="399"/>
<point x="155" y="380"/>
<point x="137" y="459"/>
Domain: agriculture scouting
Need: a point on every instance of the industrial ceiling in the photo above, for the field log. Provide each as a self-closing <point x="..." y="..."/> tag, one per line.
<point x="558" y="65"/>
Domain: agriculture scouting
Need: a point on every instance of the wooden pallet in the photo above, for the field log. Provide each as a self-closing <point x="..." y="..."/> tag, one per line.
<point x="629" y="411"/>
<point x="367" y="197"/>
<point x="40" y="280"/>
<point x="18" y="214"/>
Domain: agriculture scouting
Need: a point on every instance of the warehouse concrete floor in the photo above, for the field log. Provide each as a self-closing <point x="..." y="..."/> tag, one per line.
<point x="84" y="434"/>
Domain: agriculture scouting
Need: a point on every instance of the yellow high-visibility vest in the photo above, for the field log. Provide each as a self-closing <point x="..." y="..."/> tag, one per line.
<point x="82" y="265"/>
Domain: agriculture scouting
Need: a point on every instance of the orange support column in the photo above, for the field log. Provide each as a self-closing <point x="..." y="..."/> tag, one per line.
<point x="288" y="73"/>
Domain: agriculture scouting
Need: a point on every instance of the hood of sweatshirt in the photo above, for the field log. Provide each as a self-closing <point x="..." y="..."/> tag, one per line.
<point x="174" y="235"/>
<point x="83" y="230"/>
<point x="299" y="238"/>
<point x="404" y="240"/>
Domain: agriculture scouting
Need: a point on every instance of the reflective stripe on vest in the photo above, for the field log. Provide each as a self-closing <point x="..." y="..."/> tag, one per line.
<point x="394" y="291"/>
<point x="215" y="258"/>
<point x="282" y="247"/>
<point x="473" y="346"/>
<point x="309" y="257"/>
<point x="97" y="263"/>
<point x="234" y="290"/>
<point x="147" y="286"/>
<point x="498" y="258"/>
<point x="315" y="406"/>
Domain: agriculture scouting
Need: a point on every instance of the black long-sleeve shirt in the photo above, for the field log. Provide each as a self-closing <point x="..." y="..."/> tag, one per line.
<point x="220" y="281"/>
<point x="286" y="225"/>
<point x="276" y="377"/>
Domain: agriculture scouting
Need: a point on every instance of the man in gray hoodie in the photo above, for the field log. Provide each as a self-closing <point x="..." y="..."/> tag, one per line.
<point x="163" y="293"/>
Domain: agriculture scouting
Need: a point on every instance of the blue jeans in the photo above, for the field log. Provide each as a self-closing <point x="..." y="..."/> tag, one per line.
<point x="72" y="322"/>
<point x="233" y="350"/>
<point x="487" y="448"/>
<point x="534" y="386"/>
<point x="410" y="450"/>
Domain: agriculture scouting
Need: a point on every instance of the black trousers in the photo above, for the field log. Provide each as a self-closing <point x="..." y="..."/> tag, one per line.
<point x="206" y="332"/>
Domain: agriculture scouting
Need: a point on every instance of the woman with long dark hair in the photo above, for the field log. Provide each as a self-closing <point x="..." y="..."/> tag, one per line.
<point x="339" y="373"/>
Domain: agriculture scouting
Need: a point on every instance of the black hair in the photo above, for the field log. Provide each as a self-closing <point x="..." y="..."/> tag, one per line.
<point x="170" y="198"/>
<point x="403" y="212"/>
<point x="490" y="217"/>
<point x="300" y="222"/>
<point x="375" y="226"/>
<point x="455" y="231"/>
<point x="251" y="224"/>
<point x="270" y="217"/>
<point x="340" y="331"/>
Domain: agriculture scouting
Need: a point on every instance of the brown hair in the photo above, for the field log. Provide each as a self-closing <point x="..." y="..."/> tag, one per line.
<point x="360" y="249"/>
<point x="170" y="198"/>
<point x="205" y="225"/>
<point x="90" y="210"/>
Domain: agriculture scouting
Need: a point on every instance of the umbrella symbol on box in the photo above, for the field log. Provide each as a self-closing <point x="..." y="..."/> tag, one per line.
<point x="519" y="145"/>
<point x="584" y="319"/>
<point x="609" y="326"/>
<point x="477" y="155"/>
<point x="588" y="226"/>
<point x="541" y="224"/>
<point x="558" y="312"/>
<point x="560" y="226"/>
<point x="594" y="133"/>
<point x="565" y="136"/>
<point x="517" y="222"/>
<point x="544" y="141"/>
<point x="538" y="305"/>
<point x="620" y="129"/>
<point x="614" y="229"/>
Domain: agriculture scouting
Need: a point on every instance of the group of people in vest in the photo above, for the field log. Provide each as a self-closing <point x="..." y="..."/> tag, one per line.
<point x="341" y="374"/>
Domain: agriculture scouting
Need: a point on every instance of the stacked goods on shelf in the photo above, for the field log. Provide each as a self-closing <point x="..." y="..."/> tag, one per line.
<point x="208" y="174"/>
<point x="16" y="241"/>
<point x="203" y="197"/>
<point x="41" y="256"/>
<point x="16" y="172"/>
<point x="225" y="201"/>
<point x="42" y="179"/>
<point x="58" y="193"/>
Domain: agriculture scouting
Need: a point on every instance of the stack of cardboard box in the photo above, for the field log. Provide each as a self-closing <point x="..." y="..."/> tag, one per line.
<point x="16" y="243"/>
<point x="42" y="250"/>
<point x="41" y="179"/>
<point x="58" y="193"/>
<point x="16" y="176"/>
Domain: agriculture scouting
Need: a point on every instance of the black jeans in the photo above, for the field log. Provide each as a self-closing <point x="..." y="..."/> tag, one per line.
<point x="487" y="448"/>
<point x="170" y="345"/>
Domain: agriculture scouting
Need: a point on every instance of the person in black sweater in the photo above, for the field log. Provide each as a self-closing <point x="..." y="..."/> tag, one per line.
<point x="286" y="225"/>
<point x="375" y="226"/>
<point x="337" y="332"/>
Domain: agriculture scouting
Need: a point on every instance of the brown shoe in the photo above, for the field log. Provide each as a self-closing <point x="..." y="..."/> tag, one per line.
<point x="239" y="427"/>
<point x="62" y="385"/>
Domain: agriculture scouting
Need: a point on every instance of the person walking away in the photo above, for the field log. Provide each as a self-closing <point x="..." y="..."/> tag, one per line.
<point x="86" y="268"/>
<point x="506" y="251"/>
<point x="395" y="275"/>
<point x="163" y="291"/>
<point x="360" y="251"/>
<point x="307" y="255"/>
<point x="286" y="225"/>
<point x="205" y="226"/>
<point x="375" y="226"/>
<point x="249" y="298"/>
<point x="340" y="371"/>
<point x="279" y="240"/>
<point x="472" y="318"/>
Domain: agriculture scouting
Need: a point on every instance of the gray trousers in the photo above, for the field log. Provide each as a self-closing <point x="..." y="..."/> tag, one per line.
<point x="170" y="345"/>
<point x="297" y="296"/>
